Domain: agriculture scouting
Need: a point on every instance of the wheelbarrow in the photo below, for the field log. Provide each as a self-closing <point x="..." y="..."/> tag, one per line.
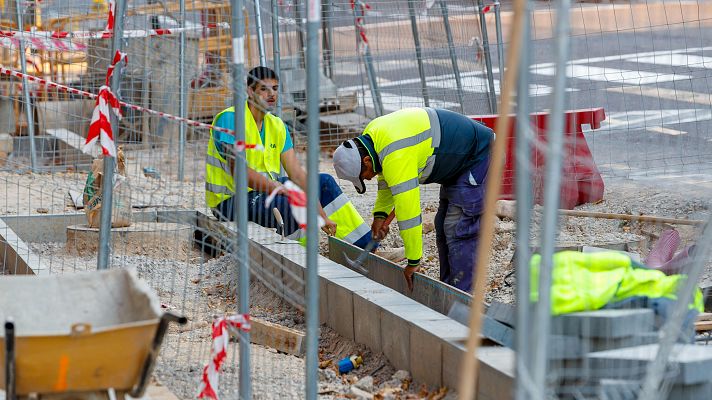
<point x="93" y="335"/>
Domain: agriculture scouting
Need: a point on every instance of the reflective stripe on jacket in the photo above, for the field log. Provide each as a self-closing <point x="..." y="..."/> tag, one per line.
<point x="589" y="281"/>
<point x="404" y="142"/>
<point x="219" y="182"/>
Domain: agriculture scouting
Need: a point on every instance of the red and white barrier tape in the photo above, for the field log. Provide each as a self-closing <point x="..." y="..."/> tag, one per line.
<point x="11" y="40"/>
<point x="189" y="122"/>
<point x="221" y="335"/>
<point x="59" y="40"/>
<point x="106" y="104"/>
<point x="360" y="21"/>
<point x="297" y="202"/>
<point x="134" y="33"/>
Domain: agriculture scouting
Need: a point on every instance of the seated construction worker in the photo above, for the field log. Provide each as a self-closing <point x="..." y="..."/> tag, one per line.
<point x="265" y="165"/>
<point x="417" y="146"/>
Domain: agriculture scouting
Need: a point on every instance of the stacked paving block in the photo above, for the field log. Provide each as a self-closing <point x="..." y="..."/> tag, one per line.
<point x="575" y="335"/>
<point x="621" y="371"/>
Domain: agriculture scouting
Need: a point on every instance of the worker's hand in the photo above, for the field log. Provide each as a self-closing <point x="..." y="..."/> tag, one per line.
<point x="274" y="185"/>
<point x="408" y="273"/>
<point x="329" y="227"/>
<point x="379" y="230"/>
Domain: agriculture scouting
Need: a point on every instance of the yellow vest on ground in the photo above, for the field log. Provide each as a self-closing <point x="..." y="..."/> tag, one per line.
<point x="405" y="142"/>
<point x="219" y="182"/>
<point x="589" y="281"/>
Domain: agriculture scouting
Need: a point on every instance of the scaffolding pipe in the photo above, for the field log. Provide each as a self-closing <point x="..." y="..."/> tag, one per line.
<point x="109" y="162"/>
<point x="523" y="193"/>
<point x="312" y="278"/>
<point x="240" y="176"/>
<point x="418" y="52"/>
<point x="552" y="193"/>
<point x="181" y="96"/>
<point x="276" y="53"/>
<point x="260" y="34"/>
<point x="453" y="54"/>
<point x="26" y="91"/>
<point x="491" y="94"/>
<point x="500" y="43"/>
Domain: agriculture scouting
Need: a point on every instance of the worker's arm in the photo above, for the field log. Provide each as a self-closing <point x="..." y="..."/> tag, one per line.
<point x="298" y="175"/>
<point x="381" y="209"/>
<point x="401" y="175"/>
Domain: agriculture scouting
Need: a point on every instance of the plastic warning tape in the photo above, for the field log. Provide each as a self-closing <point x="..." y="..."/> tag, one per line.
<point x="161" y="114"/>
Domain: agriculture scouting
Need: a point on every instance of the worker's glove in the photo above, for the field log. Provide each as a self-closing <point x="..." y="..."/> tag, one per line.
<point x="408" y="273"/>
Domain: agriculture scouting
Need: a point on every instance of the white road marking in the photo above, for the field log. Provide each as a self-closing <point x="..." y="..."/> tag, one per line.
<point x="664" y="93"/>
<point x="652" y="119"/>
<point x="475" y="84"/>
<point x="675" y="60"/>
<point x="666" y="131"/>
<point x="614" y="75"/>
<point x="394" y="102"/>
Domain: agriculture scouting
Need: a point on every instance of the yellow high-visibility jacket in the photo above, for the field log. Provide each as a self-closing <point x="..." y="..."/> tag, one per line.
<point x="589" y="281"/>
<point x="404" y="142"/>
<point x="219" y="182"/>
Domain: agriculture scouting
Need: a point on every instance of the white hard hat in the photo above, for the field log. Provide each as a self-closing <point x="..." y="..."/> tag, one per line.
<point x="347" y="163"/>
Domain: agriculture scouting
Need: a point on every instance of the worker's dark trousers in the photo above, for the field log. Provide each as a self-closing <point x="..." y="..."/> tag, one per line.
<point x="257" y="211"/>
<point x="457" y="225"/>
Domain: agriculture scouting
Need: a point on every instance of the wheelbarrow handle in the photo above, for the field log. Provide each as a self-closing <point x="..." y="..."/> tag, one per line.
<point x="10" y="360"/>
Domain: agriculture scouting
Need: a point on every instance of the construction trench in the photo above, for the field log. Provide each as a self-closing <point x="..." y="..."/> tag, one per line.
<point x="422" y="332"/>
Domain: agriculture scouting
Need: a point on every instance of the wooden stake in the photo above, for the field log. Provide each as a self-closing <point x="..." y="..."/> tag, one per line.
<point x="468" y="380"/>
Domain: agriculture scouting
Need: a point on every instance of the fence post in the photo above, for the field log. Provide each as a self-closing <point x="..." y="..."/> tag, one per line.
<point x="492" y="95"/>
<point x="240" y="204"/>
<point x="453" y="53"/>
<point x="109" y="162"/>
<point x="26" y="91"/>
<point x="523" y="194"/>
<point x="275" y="52"/>
<point x="418" y="52"/>
<point x="181" y="95"/>
<point x="312" y="275"/>
<point x="260" y="34"/>
<point x="552" y="193"/>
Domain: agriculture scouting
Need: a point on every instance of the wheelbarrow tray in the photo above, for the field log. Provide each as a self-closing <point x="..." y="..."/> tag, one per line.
<point x="78" y="332"/>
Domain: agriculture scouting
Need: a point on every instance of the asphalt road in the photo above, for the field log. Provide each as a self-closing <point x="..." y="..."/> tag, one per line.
<point x="653" y="85"/>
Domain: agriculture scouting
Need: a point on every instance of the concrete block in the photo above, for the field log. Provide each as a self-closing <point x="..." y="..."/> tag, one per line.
<point x="341" y="309"/>
<point x="691" y="392"/>
<point x="601" y="344"/>
<point x="395" y="340"/>
<point x="6" y="143"/>
<point x="496" y="379"/>
<point x="452" y="353"/>
<point x="426" y="357"/>
<point x="330" y="269"/>
<point x="497" y="332"/>
<point x="565" y="347"/>
<point x="504" y="313"/>
<point x="367" y="314"/>
<point x="604" y="323"/>
<point x="323" y="302"/>
<point x="618" y="389"/>
<point x="694" y="363"/>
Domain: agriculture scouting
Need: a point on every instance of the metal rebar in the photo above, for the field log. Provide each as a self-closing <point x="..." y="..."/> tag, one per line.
<point x="275" y="52"/>
<point x="552" y="193"/>
<point x="500" y="43"/>
<point x="107" y="179"/>
<point x="260" y="34"/>
<point x="453" y="54"/>
<point x="491" y="94"/>
<point x="240" y="176"/>
<point x="312" y="277"/>
<point x="524" y="196"/>
<point x="651" y="389"/>
<point x="418" y="52"/>
<point x="181" y="95"/>
<point x="26" y="90"/>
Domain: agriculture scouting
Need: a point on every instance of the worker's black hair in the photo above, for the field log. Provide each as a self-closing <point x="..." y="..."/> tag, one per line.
<point x="260" y="73"/>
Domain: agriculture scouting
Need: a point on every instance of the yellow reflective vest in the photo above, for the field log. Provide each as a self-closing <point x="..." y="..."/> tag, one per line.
<point x="589" y="281"/>
<point x="219" y="182"/>
<point x="405" y="142"/>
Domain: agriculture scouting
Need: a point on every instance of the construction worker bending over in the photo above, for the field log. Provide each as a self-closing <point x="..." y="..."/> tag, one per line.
<point x="265" y="166"/>
<point x="417" y="146"/>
